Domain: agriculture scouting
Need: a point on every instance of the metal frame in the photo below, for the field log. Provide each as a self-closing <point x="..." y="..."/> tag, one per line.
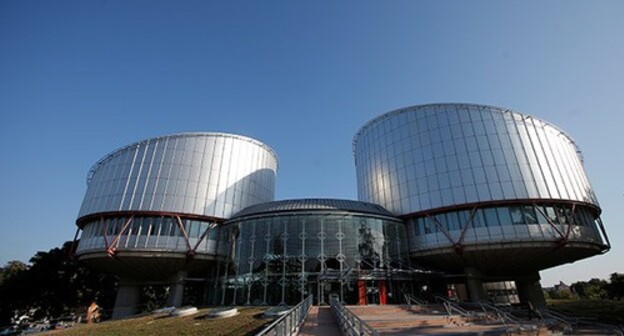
<point x="111" y="248"/>
<point x="458" y="245"/>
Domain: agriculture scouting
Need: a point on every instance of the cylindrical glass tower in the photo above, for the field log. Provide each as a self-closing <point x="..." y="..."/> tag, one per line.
<point x="481" y="187"/>
<point x="155" y="204"/>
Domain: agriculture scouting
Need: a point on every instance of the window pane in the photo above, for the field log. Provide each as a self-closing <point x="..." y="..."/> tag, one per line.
<point x="517" y="215"/>
<point x="491" y="218"/>
<point x="504" y="216"/>
<point x="529" y="215"/>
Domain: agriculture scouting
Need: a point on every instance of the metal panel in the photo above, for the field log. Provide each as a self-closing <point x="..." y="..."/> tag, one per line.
<point x="499" y="154"/>
<point x="175" y="173"/>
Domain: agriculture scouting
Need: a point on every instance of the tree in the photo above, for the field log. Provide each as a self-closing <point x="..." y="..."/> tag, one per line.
<point x="11" y="269"/>
<point x="615" y="288"/>
<point x="559" y="295"/>
<point x="54" y="285"/>
<point x="594" y="289"/>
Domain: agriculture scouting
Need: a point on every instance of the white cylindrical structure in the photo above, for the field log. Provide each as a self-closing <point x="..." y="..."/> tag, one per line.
<point x="205" y="174"/>
<point x="475" y="182"/>
<point x="156" y="202"/>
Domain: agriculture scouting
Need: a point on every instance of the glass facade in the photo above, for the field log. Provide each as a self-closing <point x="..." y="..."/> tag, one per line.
<point x="471" y="179"/>
<point x="208" y="174"/>
<point x="152" y="233"/>
<point x="500" y="224"/>
<point x="442" y="155"/>
<point x="458" y="175"/>
<point x="281" y="258"/>
<point x="502" y="292"/>
<point x="171" y="191"/>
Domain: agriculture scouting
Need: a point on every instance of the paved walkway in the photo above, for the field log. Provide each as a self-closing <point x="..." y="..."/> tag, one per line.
<point x="320" y="321"/>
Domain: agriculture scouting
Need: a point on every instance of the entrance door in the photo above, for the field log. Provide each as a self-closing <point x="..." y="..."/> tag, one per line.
<point x="372" y="292"/>
<point x="327" y="289"/>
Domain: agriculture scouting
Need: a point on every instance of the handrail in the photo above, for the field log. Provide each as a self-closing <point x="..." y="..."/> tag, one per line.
<point x="349" y="323"/>
<point x="574" y="322"/>
<point x="289" y="324"/>
<point x="557" y="316"/>
<point x="452" y="306"/>
<point x="502" y="315"/>
<point x="409" y="298"/>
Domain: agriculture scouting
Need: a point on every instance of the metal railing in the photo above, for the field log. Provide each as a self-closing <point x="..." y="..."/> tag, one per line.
<point x="554" y="315"/>
<point x="349" y="323"/>
<point x="572" y="323"/>
<point x="289" y="324"/>
<point x="411" y="299"/>
<point x="502" y="315"/>
<point x="451" y="307"/>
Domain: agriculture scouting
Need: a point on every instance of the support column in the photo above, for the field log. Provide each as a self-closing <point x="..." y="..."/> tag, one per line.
<point x="530" y="290"/>
<point x="176" y="290"/>
<point x="361" y="285"/>
<point x="127" y="300"/>
<point x="474" y="285"/>
<point x="383" y="292"/>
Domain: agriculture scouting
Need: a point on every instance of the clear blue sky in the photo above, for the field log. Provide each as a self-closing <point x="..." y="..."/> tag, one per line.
<point x="80" y="79"/>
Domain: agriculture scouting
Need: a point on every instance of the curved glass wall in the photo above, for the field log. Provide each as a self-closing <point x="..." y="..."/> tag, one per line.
<point x="206" y="174"/>
<point x="509" y="223"/>
<point x="152" y="233"/>
<point x="443" y="155"/>
<point x="280" y="259"/>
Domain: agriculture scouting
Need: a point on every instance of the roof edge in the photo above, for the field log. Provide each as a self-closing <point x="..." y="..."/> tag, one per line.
<point x="401" y="110"/>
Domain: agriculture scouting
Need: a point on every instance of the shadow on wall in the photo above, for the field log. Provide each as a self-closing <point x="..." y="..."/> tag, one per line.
<point x="257" y="187"/>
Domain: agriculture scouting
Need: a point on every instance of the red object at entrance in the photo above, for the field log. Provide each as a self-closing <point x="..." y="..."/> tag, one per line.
<point x="361" y="284"/>
<point x="383" y="292"/>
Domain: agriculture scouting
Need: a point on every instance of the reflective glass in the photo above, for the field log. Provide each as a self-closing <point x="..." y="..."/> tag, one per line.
<point x="302" y="248"/>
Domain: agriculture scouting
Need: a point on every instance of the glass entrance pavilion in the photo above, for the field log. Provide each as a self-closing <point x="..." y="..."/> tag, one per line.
<point x="286" y="250"/>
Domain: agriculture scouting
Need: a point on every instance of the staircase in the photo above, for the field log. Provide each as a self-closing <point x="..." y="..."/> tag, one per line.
<point x="433" y="320"/>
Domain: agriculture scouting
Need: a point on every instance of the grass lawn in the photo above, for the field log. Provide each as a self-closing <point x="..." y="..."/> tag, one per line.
<point x="605" y="311"/>
<point x="248" y="322"/>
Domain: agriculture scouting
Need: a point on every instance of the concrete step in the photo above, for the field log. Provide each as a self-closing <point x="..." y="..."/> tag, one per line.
<point x="401" y="320"/>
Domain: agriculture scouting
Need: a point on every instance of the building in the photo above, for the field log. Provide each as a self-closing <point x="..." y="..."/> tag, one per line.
<point x="486" y="193"/>
<point x="152" y="209"/>
<point x="287" y="250"/>
<point x="454" y="199"/>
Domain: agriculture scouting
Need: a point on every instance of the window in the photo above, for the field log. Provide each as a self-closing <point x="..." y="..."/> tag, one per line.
<point x="551" y="214"/>
<point x="517" y="215"/>
<point x="529" y="214"/>
<point x="491" y="217"/>
<point x="478" y="220"/>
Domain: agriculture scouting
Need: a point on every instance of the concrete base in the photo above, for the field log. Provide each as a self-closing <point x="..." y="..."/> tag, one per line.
<point x="176" y="291"/>
<point x="530" y="290"/>
<point x="474" y="285"/>
<point x="127" y="301"/>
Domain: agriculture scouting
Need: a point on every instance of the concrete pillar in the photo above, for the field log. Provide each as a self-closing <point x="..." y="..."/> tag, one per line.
<point x="461" y="291"/>
<point x="127" y="300"/>
<point x="474" y="285"/>
<point x="176" y="290"/>
<point x="530" y="290"/>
